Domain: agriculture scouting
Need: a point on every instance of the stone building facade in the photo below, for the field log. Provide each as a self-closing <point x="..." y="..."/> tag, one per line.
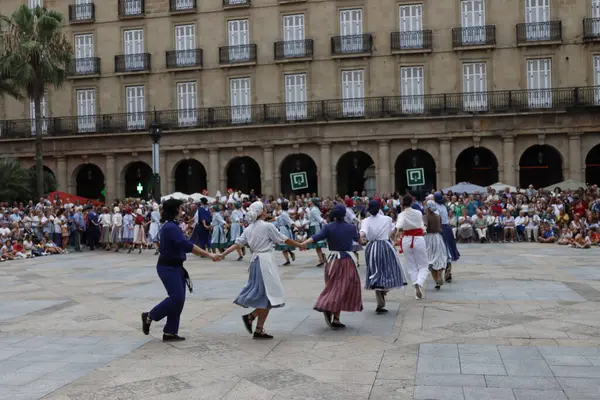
<point x="351" y="92"/>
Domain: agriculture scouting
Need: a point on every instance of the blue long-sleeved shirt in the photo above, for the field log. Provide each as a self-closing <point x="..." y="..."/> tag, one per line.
<point x="339" y="235"/>
<point x="173" y="243"/>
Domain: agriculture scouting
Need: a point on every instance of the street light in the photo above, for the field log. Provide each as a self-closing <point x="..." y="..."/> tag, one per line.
<point x="155" y="133"/>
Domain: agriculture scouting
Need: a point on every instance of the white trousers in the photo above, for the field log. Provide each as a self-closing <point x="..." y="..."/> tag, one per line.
<point x="417" y="264"/>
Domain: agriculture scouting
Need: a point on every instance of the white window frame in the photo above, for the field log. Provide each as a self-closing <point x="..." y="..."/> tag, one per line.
<point x="411" y="26"/>
<point x="135" y="99"/>
<point x="132" y="7"/>
<point x="293" y="35"/>
<point x="537" y="17"/>
<point x="412" y="88"/>
<point x="238" y="33"/>
<point x="539" y="82"/>
<point x="596" y="17"/>
<point x="473" y="22"/>
<point x="184" y="5"/>
<point x="83" y="13"/>
<point x="44" y="113"/>
<point x="475" y="86"/>
<point x="185" y="45"/>
<point x="187" y="104"/>
<point x="86" y="109"/>
<point x="84" y="53"/>
<point x="353" y="93"/>
<point x="351" y="30"/>
<point x="240" y="100"/>
<point x="36" y="3"/>
<point x="596" y="69"/>
<point x="133" y="49"/>
<point x="295" y="97"/>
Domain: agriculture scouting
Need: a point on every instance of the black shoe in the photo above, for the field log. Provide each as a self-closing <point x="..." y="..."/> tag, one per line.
<point x="286" y="264"/>
<point x="167" y="337"/>
<point x="321" y="264"/>
<point x="328" y="318"/>
<point x="146" y="321"/>
<point x="240" y="258"/>
<point x="437" y="287"/>
<point x="140" y="252"/>
<point x="129" y="251"/>
<point x="248" y="319"/>
<point x="261" y="334"/>
<point x="381" y="310"/>
<point x="337" y="325"/>
<point x="156" y="252"/>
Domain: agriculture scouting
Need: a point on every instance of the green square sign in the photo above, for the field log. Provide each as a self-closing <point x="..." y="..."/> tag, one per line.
<point x="299" y="180"/>
<point x="415" y="176"/>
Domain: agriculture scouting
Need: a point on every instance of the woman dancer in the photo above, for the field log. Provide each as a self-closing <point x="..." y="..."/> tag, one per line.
<point x="128" y="229"/>
<point x="139" y="233"/>
<point x="154" y="229"/>
<point x="117" y="229"/>
<point x="237" y="217"/>
<point x="384" y="271"/>
<point x="173" y="249"/>
<point x="350" y="218"/>
<point x="315" y="224"/>
<point x="412" y="243"/>
<point x="105" y="222"/>
<point x="342" y="284"/>
<point x="448" y="235"/>
<point x="264" y="289"/>
<point x="218" y="224"/>
<point x="436" y="248"/>
<point x="283" y="224"/>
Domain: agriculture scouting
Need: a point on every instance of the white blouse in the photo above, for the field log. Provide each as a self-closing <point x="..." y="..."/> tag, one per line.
<point x="260" y="236"/>
<point x="410" y="219"/>
<point x="378" y="227"/>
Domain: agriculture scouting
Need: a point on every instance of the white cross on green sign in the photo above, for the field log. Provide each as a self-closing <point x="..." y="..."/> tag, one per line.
<point x="299" y="180"/>
<point x="415" y="176"/>
<point x="140" y="188"/>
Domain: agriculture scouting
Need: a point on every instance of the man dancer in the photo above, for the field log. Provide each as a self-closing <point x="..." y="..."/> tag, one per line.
<point x="201" y="234"/>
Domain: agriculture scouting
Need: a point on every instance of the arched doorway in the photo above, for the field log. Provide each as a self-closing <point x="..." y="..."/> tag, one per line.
<point x="295" y="166"/>
<point x="190" y="177"/>
<point x="90" y="182"/>
<point x="356" y="173"/>
<point x="138" y="180"/>
<point x="592" y="166"/>
<point x="50" y="183"/>
<point x="540" y="166"/>
<point x="477" y="165"/>
<point x="243" y="173"/>
<point x="412" y="159"/>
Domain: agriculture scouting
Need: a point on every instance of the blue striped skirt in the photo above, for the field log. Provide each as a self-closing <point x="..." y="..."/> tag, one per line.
<point x="450" y="242"/>
<point x="254" y="293"/>
<point x="383" y="266"/>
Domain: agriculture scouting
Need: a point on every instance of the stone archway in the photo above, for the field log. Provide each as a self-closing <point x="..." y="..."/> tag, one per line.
<point x="297" y="164"/>
<point x="592" y="166"/>
<point x="50" y="182"/>
<point x="89" y="180"/>
<point x="540" y="166"/>
<point x="243" y="173"/>
<point x="190" y="177"/>
<point x="411" y="159"/>
<point x="138" y="180"/>
<point x="477" y="165"/>
<point x="356" y="173"/>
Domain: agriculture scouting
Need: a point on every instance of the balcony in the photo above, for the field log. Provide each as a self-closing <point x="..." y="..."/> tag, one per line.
<point x="352" y="46"/>
<point x="411" y="42"/>
<point x="133" y="63"/>
<point x="82" y="13"/>
<point x="182" y="6"/>
<point x="294" y="50"/>
<point x="591" y="29"/>
<point x="184" y="59"/>
<point x="241" y="55"/>
<point x="85" y="68"/>
<point x="291" y="1"/>
<point x="539" y="33"/>
<point x="474" y="37"/>
<point x="236" y="3"/>
<point x="131" y="8"/>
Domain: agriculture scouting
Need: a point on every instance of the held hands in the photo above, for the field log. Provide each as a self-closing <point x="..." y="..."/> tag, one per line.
<point x="216" y="257"/>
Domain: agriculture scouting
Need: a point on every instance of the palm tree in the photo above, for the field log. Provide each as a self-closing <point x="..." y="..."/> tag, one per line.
<point x="14" y="181"/>
<point x="36" y="55"/>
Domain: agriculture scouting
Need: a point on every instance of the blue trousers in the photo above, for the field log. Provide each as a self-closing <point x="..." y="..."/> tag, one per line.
<point x="201" y="237"/>
<point x="173" y="279"/>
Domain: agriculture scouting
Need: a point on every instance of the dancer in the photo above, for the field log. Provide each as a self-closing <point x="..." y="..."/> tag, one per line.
<point x="284" y="223"/>
<point x="117" y="229"/>
<point x="412" y="243"/>
<point x="201" y="233"/>
<point x="139" y="233"/>
<point x="448" y="235"/>
<point x="128" y="230"/>
<point x="105" y="221"/>
<point x="264" y="289"/>
<point x="342" y="284"/>
<point x="236" y="229"/>
<point x="93" y="229"/>
<point x="350" y="218"/>
<point x="384" y="271"/>
<point x="436" y="248"/>
<point x="154" y="229"/>
<point x="173" y="249"/>
<point x="315" y="224"/>
<point x="219" y="239"/>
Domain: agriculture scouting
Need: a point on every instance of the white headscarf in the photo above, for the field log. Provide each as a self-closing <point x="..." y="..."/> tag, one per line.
<point x="254" y="211"/>
<point x="155" y="206"/>
<point x="116" y="210"/>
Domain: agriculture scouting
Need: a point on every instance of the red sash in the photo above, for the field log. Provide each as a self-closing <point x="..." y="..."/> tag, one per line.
<point x="410" y="233"/>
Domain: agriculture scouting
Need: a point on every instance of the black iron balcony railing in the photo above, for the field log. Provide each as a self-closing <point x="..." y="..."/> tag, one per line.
<point x="591" y="29"/>
<point x="435" y="105"/>
<point x="182" y="5"/>
<point x="133" y="62"/>
<point x="131" y="8"/>
<point x="244" y="53"/>
<point x="352" y="44"/>
<point x="474" y="36"/>
<point x="85" y="66"/>
<point x="291" y="49"/>
<point x="184" y="58"/>
<point x="550" y="31"/>
<point x="236" y="3"/>
<point x="411" y="40"/>
<point x="82" y="12"/>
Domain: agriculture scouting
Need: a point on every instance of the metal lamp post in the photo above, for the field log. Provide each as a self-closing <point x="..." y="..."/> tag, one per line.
<point x="155" y="134"/>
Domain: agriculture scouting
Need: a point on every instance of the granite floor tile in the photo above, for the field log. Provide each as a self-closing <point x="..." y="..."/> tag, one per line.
<point x="438" y="393"/>
<point x="531" y="394"/>
<point x="478" y="393"/>
<point x="527" y="367"/>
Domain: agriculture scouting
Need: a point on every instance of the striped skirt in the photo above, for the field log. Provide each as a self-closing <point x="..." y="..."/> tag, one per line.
<point x="384" y="270"/>
<point x="342" y="287"/>
<point x="105" y="235"/>
<point x="313" y="230"/>
<point x="254" y="293"/>
<point x="450" y="242"/>
<point x="436" y="251"/>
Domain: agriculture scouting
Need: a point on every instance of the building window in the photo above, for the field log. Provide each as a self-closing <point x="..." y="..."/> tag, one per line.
<point x="136" y="107"/>
<point x="295" y="97"/>
<point x="351" y="30"/>
<point x="86" y="110"/>
<point x="411" y="25"/>
<point x="185" y="45"/>
<point x="84" y="54"/>
<point x="473" y="21"/>
<point x="133" y="42"/>
<point x="597" y="80"/>
<point x="83" y="10"/>
<point x="412" y="89"/>
<point x="353" y="93"/>
<point x="537" y="16"/>
<point x="239" y="93"/>
<point x="36" y="3"/>
<point x="539" y="82"/>
<point x="187" y="104"/>
<point x="239" y="39"/>
<point x="293" y="35"/>
<point x="475" y="87"/>
<point x="44" y="114"/>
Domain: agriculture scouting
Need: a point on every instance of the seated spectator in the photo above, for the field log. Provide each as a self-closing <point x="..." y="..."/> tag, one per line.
<point x="548" y="235"/>
<point x="520" y="225"/>
<point x="581" y="242"/>
<point x="508" y="221"/>
<point x="566" y="237"/>
<point x="465" y="227"/>
<point x="594" y="236"/>
<point x="453" y="222"/>
<point x="481" y="224"/>
<point x="532" y="228"/>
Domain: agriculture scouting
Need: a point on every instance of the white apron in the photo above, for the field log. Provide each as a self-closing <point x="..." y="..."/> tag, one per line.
<point x="271" y="279"/>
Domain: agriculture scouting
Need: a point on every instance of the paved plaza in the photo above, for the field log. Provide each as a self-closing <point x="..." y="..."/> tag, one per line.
<point x="520" y="322"/>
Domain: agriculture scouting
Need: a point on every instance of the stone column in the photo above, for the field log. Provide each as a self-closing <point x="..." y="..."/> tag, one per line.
<point x="383" y="181"/>
<point x="62" y="179"/>
<point x="110" y="183"/>
<point x="213" y="171"/>
<point x="326" y="188"/>
<point x="575" y="164"/>
<point x="165" y="176"/>
<point x="510" y="172"/>
<point x="267" y="173"/>
<point x="445" y="164"/>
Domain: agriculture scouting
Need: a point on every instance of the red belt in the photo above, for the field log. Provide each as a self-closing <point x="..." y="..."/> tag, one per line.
<point x="410" y="233"/>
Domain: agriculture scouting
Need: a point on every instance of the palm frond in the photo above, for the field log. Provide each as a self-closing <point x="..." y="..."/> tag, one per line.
<point x="14" y="181"/>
